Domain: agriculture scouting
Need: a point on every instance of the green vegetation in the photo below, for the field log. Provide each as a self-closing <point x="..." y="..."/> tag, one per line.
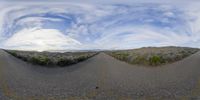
<point x="64" y="62"/>
<point x="152" y="56"/>
<point x="139" y="60"/>
<point x="82" y="58"/>
<point x="156" y="60"/>
<point x="41" y="60"/>
<point x="51" y="59"/>
<point x="13" y="53"/>
<point x="120" y="56"/>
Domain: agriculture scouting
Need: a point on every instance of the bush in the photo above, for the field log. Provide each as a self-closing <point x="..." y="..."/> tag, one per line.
<point x="153" y="56"/>
<point x="64" y="61"/>
<point x="139" y="60"/>
<point x="156" y="60"/>
<point x="121" y="56"/>
<point x="13" y="53"/>
<point x="47" y="58"/>
<point x="81" y="58"/>
<point x="23" y="58"/>
<point x="41" y="60"/>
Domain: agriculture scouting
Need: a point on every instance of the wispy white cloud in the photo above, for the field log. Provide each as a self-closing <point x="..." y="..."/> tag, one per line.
<point x="40" y="39"/>
<point x="97" y="26"/>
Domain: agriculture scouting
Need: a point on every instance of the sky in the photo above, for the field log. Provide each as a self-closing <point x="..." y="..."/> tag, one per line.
<point x="86" y="25"/>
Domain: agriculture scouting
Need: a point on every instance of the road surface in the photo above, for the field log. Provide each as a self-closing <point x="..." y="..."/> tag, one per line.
<point x="99" y="78"/>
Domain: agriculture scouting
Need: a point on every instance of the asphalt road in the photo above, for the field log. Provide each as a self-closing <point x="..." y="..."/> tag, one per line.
<point x="99" y="78"/>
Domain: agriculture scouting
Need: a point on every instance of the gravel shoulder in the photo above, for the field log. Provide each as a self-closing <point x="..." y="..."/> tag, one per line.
<point x="101" y="77"/>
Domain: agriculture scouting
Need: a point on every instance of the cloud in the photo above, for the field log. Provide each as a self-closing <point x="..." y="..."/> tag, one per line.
<point x="40" y="39"/>
<point x="103" y="1"/>
<point x="97" y="26"/>
<point x="140" y="36"/>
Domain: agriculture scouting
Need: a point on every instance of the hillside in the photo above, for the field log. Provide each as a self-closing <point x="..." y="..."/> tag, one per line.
<point x="153" y="56"/>
<point x="51" y="59"/>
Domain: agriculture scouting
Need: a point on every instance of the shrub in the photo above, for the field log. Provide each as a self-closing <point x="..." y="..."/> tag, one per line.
<point x="47" y="58"/>
<point x="13" y="53"/>
<point x="139" y="60"/>
<point x="64" y="61"/>
<point x="121" y="56"/>
<point x="23" y="58"/>
<point x="81" y="58"/>
<point x="156" y="60"/>
<point x="41" y="60"/>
